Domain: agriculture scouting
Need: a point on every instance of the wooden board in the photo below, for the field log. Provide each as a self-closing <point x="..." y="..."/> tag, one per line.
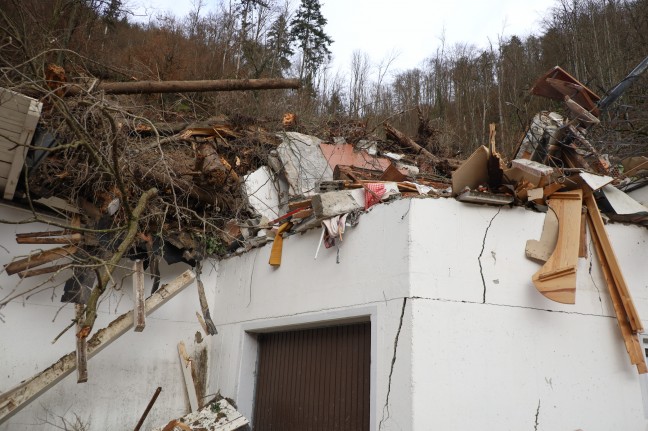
<point x="608" y="260"/>
<point x="632" y="344"/>
<point x="185" y="362"/>
<point x="556" y="279"/>
<point x="541" y="249"/>
<point x="31" y="120"/>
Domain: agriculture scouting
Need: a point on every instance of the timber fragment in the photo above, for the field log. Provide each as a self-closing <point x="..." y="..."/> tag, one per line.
<point x="556" y="279"/>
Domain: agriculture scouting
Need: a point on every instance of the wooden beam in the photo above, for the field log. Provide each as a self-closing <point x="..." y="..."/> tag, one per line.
<point x="608" y="259"/>
<point x="630" y="340"/>
<point x="138" y="295"/>
<point x="39" y="259"/>
<point x="185" y="363"/>
<point x="14" y="400"/>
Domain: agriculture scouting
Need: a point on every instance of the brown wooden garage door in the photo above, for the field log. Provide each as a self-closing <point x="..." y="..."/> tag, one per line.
<point x="314" y="379"/>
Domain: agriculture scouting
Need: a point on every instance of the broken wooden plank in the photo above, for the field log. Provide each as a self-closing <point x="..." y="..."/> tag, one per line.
<point x="185" y="363"/>
<point x="14" y="400"/>
<point x="39" y="259"/>
<point x="608" y="259"/>
<point x="632" y="344"/>
<point x="138" y="296"/>
<point x="556" y="279"/>
<point x="210" y="327"/>
<point x="50" y="239"/>
<point x="582" y="246"/>
<point x="47" y="270"/>
<point x="541" y="249"/>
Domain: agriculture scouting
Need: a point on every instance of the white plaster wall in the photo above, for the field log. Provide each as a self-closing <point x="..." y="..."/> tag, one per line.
<point x="455" y="345"/>
<point x="486" y="352"/>
<point x="122" y="378"/>
<point x="370" y="278"/>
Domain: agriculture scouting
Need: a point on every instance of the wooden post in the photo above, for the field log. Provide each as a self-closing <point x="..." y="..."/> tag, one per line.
<point x="185" y="362"/>
<point x="138" y="295"/>
<point x="148" y="409"/>
<point x="15" y="399"/>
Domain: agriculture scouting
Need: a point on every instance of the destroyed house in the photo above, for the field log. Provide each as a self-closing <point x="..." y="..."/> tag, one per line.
<point x="365" y="294"/>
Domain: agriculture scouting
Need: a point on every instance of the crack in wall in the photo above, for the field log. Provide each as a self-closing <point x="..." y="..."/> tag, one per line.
<point x="537" y="415"/>
<point x="481" y="269"/>
<point x="512" y="306"/>
<point x="591" y="260"/>
<point x="393" y="363"/>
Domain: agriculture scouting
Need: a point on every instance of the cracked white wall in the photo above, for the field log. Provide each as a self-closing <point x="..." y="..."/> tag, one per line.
<point x="372" y="277"/>
<point x="477" y="347"/>
<point x="487" y="361"/>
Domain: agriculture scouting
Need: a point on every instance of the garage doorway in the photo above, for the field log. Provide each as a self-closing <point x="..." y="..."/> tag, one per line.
<point x="314" y="379"/>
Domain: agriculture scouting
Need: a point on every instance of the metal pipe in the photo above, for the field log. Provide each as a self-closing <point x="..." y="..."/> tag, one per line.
<point x="622" y="86"/>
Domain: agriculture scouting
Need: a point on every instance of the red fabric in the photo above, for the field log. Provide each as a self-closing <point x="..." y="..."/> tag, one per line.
<point x="373" y="193"/>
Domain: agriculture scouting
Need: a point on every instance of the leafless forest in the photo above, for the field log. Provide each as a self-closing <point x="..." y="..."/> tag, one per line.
<point x="460" y="89"/>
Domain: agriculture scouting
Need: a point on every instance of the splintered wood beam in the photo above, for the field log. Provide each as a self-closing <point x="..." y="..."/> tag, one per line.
<point x="39" y="259"/>
<point x="185" y="363"/>
<point x="629" y="339"/>
<point x="40" y="271"/>
<point x="149" y="87"/>
<point x="556" y="279"/>
<point x="44" y="234"/>
<point x="138" y="295"/>
<point x="14" y="400"/>
<point x="608" y="260"/>
<point x="71" y="239"/>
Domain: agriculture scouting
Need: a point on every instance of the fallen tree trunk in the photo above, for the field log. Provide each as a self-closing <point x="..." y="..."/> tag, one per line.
<point x="147" y="87"/>
<point x="12" y="401"/>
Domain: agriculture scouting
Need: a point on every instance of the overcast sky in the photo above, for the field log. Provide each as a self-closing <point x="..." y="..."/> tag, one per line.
<point x="411" y="29"/>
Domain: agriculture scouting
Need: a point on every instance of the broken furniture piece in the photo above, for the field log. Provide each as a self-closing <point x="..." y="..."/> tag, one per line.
<point x="556" y="279"/>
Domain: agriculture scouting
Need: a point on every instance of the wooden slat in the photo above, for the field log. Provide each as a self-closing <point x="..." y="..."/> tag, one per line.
<point x="10" y="126"/>
<point x="31" y="120"/>
<point x="9" y="98"/>
<point x="5" y="167"/>
<point x="610" y="260"/>
<point x="39" y="259"/>
<point x="185" y="362"/>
